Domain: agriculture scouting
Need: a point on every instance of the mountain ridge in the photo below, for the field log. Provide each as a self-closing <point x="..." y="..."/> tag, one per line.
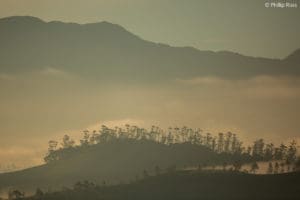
<point x="28" y="18"/>
<point x="108" y="51"/>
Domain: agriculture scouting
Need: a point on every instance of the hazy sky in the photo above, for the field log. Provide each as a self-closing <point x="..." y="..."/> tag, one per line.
<point x="238" y="25"/>
<point x="45" y="104"/>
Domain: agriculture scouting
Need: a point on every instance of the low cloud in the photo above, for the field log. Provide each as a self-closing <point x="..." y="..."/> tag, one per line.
<point x="46" y="104"/>
<point x="53" y="72"/>
<point x="255" y="87"/>
<point x="20" y="157"/>
<point x="7" y="77"/>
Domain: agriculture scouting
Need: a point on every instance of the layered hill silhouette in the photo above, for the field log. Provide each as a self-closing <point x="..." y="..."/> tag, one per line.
<point x="105" y="51"/>
<point x="115" y="162"/>
<point x="108" y="51"/>
<point x="189" y="185"/>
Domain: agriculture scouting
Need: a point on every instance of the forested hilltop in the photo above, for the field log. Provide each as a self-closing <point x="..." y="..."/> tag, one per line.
<point x="122" y="155"/>
<point x="225" y="145"/>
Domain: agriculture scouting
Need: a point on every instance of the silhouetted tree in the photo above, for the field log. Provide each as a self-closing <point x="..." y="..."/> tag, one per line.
<point x="276" y="168"/>
<point x="208" y="140"/>
<point x="249" y="150"/>
<point x="228" y="142"/>
<point x="86" y="138"/>
<point x="282" y="165"/>
<point x="213" y="144"/>
<point x="258" y="149"/>
<point x="269" y="151"/>
<point x="297" y="165"/>
<point x="224" y="165"/>
<point x="52" y="145"/>
<point x="67" y="142"/>
<point x="254" y="167"/>
<point x="15" y="195"/>
<point x="51" y="154"/>
<point x="291" y="152"/>
<point x="281" y="152"/>
<point x="237" y="165"/>
<point x="38" y="193"/>
<point x="270" y="168"/>
<point x="220" y="142"/>
<point x="234" y="143"/>
<point x="170" y="137"/>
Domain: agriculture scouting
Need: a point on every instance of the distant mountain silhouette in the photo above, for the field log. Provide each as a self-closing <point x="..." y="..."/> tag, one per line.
<point x="108" y="51"/>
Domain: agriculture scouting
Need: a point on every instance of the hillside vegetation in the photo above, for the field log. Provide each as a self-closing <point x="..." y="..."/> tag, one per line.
<point x="122" y="155"/>
<point x="188" y="185"/>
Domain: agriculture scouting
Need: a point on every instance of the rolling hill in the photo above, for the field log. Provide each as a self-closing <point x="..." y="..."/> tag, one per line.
<point x="116" y="161"/>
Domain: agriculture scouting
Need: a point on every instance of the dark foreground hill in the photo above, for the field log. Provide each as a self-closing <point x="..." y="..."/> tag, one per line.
<point x="109" y="52"/>
<point x="114" y="162"/>
<point x="187" y="185"/>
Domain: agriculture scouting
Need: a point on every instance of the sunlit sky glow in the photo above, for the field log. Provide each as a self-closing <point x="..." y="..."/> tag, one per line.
<point x="43" y="105"/>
